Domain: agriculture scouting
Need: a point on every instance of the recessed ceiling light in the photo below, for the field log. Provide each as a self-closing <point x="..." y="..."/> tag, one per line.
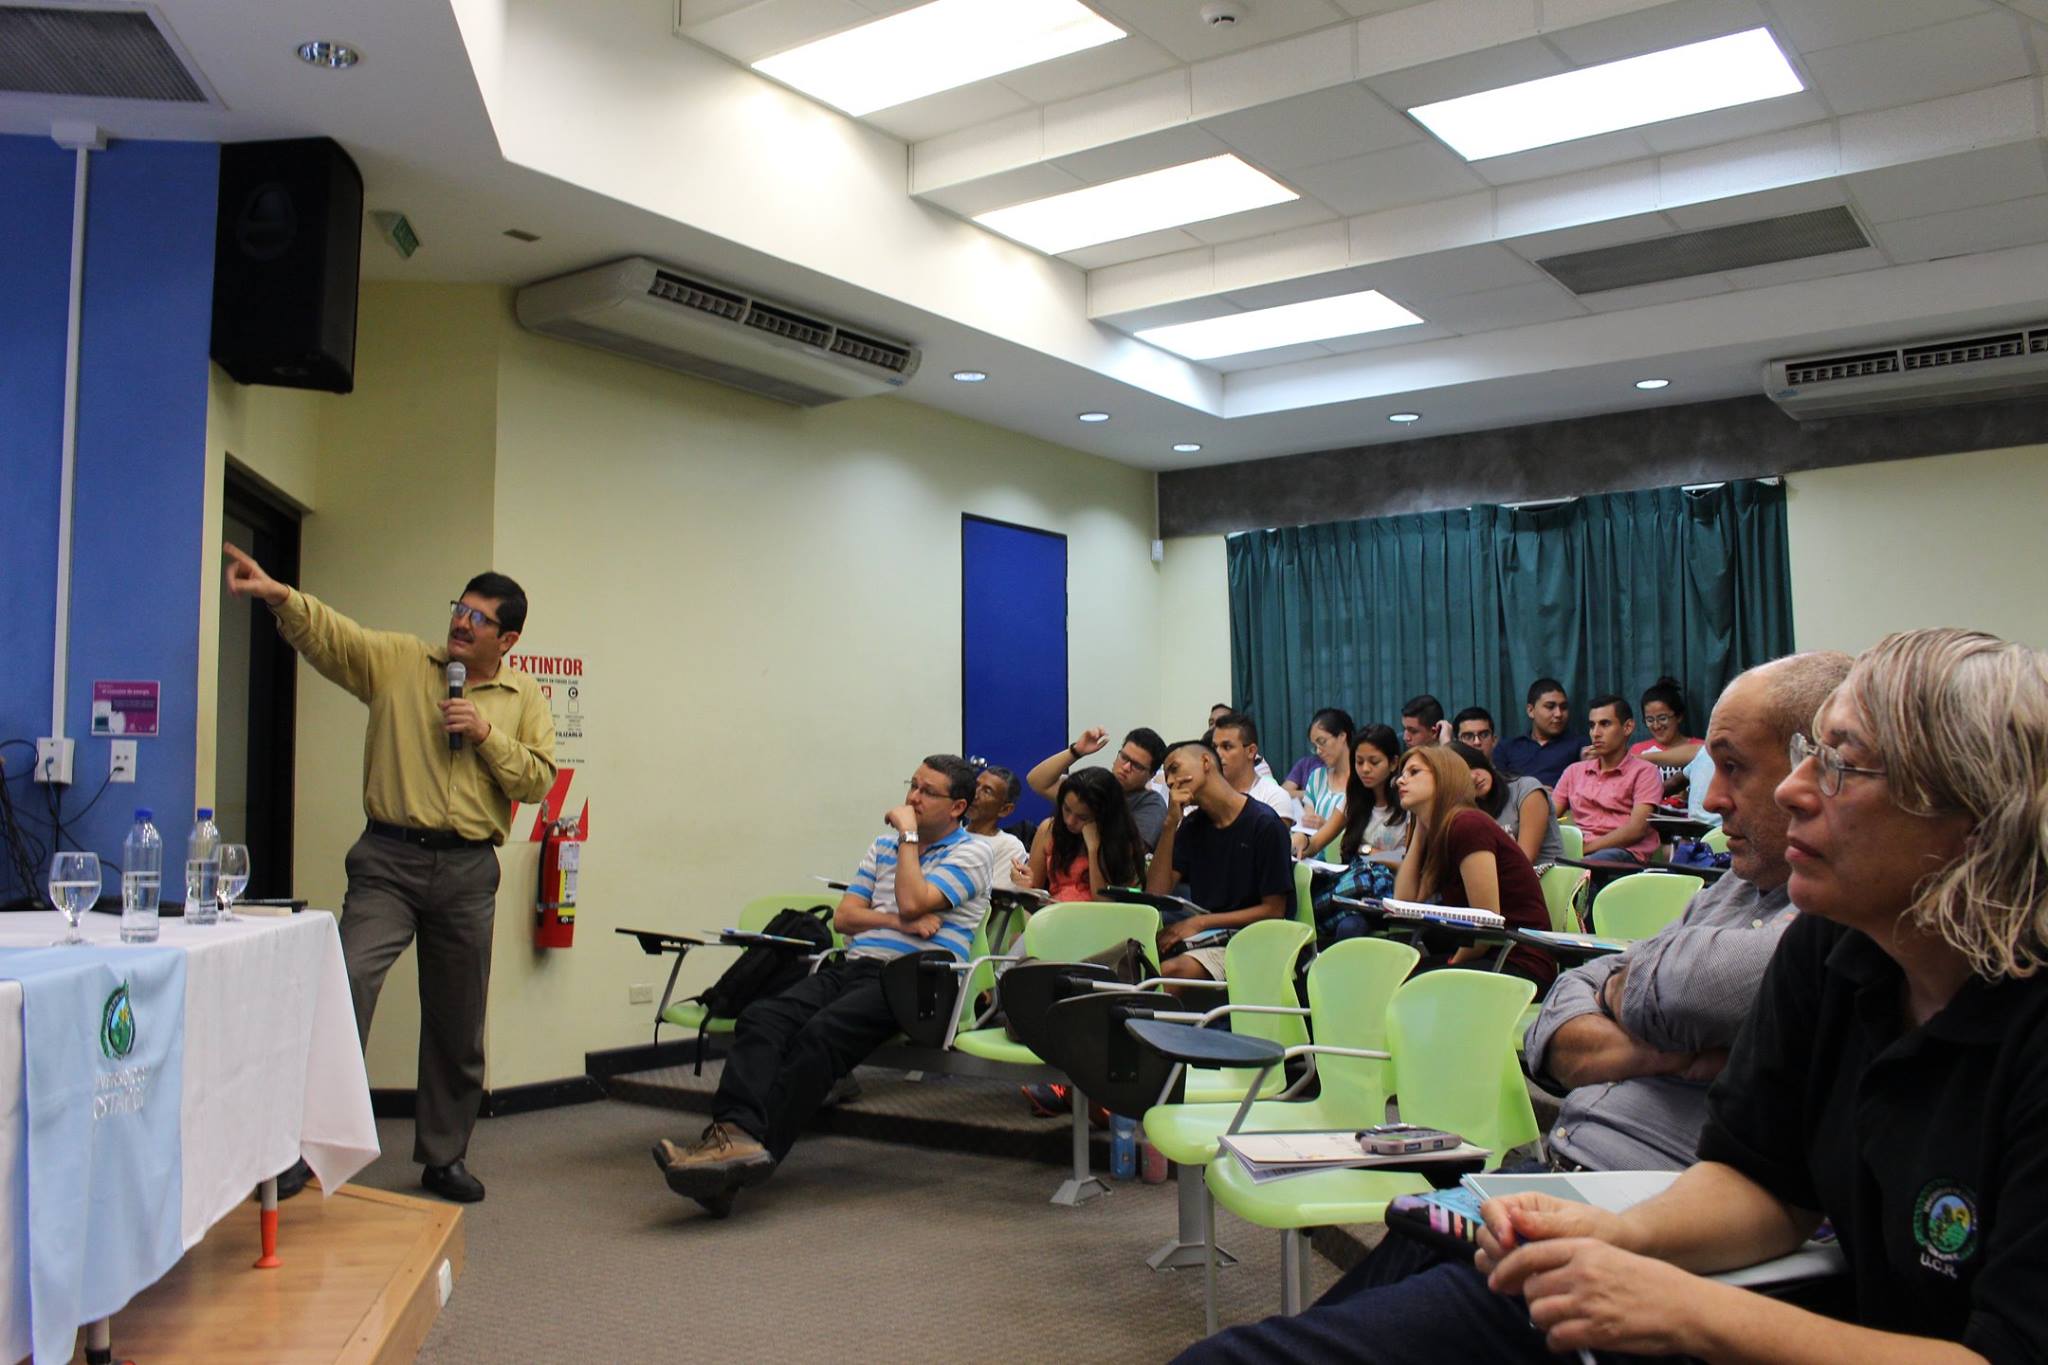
<point x="1094" y="416"/>
<point x="1716" y="74"/>
<point x="1191" y="193"/>
<point x="334" y="56"/>
<point x="1289" y="324"/>
<point x="1404" y="417"/>
<point x="935" y="47"/>
<point x="1653" y="383"/>
<point x="970" y="376"/>
<point x="1185" y="448"/>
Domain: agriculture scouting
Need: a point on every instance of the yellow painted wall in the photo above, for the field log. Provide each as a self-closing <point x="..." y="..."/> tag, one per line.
<point x="1949" y="540"/>
<point x="1194" y="590"/>
<point x="767" y="599"/>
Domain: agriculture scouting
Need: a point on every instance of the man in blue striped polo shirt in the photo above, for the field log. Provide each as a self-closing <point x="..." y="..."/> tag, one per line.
<point x="923" y="884"/>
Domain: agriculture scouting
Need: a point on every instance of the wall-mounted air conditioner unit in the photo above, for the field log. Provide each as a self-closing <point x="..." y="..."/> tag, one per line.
<point x="684" y="322"/>
<point x="2008" y="363"/>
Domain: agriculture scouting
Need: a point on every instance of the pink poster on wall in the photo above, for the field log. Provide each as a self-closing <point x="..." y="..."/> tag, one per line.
<point x="124" y="708"/>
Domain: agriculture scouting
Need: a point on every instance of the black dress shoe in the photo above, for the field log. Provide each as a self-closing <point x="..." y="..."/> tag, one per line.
<point x="293" y="1178"/>
<point x="453" y="1182"/>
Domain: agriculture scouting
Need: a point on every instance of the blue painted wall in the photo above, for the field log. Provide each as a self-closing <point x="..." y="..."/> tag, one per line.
<point x="139" y="495"/>
<point x="1013" y="646"/>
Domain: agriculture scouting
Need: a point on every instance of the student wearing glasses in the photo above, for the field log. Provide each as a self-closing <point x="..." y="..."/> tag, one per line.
<point x="1137" y="759"/>
<point x="440" y="775"/>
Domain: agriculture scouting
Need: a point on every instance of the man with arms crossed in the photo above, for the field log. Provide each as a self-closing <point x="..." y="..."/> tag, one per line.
<point x="1551" y="745"/>
<point x="440" y="775"/>
<point x="1636" y="1036"/>
<point x="923" y="884"/>
<point x="1232" y="851"/>
<point x="1137" y="759"/>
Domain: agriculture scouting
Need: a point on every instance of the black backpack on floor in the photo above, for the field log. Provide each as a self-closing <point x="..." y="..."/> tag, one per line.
<point x="765" y="969"/>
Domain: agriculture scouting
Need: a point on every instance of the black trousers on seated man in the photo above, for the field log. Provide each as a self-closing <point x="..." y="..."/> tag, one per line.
<point x="788" y="1050"/>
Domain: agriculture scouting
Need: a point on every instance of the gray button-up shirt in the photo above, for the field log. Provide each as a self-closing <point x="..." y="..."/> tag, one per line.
<point x="1689" y="988"/>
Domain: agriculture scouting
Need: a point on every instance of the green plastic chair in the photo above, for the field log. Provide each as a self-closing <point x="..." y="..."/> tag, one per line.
<point x="1638" y="905"/>
<point x="1716" y="840"/>
<point x="1349" y="987"/>
<point x="1258" y="969"/>
<point x="753" y="916"/>
<point x="1452" y="1036"/>
<point x="1304" y="897"/>
<point x="1572" y="837"/>
<point x="1562" y="887"/>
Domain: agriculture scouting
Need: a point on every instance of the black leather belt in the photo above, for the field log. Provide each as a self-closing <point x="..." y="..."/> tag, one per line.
<point x="435" y="840"/>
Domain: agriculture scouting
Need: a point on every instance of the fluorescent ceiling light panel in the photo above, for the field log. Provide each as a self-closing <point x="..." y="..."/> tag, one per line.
<point x="1193" y="193"/>
<point x="1716" y="74"/>
<point x="1289" y="324"/>
<point x="935" y="47"/>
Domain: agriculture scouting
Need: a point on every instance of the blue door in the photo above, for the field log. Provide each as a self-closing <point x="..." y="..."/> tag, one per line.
<point x="1013" y="647"/>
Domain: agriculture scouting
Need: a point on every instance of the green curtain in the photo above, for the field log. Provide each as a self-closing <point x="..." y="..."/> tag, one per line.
<point x="1606" y="593"/>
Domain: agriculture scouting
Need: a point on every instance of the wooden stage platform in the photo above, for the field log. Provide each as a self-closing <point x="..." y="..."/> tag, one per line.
<point x="361" y="1283"/>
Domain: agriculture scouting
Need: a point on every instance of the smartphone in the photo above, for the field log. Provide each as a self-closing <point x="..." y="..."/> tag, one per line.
<point x="1405" y="1139"/>
<point x="1446" y="1220"/>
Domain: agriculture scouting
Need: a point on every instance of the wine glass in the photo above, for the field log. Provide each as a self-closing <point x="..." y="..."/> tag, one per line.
<point x="74" y="889"/>
<point x="232" y="880"/>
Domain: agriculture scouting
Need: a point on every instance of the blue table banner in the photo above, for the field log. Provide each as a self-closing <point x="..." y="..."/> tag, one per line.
<point x="103" y="1050"/>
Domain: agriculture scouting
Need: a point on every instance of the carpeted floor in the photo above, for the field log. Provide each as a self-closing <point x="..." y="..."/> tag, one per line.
<point x="856" y="1251"/>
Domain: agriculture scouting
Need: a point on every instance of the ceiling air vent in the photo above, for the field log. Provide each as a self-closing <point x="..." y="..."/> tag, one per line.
<point x="2004" y="364"/>
<point x="1708" y="251"/>
<point x="659" y="314"/>
<point x="100" y="54"/>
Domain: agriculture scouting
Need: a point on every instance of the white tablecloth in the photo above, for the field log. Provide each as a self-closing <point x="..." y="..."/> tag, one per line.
<point x="272" y="1071"/>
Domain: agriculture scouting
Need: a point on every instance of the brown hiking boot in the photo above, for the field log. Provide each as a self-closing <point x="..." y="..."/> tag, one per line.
<point x="724" y="1158"/>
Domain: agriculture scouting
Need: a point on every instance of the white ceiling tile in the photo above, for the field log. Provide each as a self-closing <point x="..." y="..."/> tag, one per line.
<point x="1427" y="34"/>
<point x="1404" y="85"/>
<point x="1879" y="73"/>
<point x="1815" y="24"/>
<point x="2013" y="171"/>
<point x="1649" y="295"/>
<point x="1239" y="227"/>
<point x="1129" y="110"/>
<point x="1279" y="293"/>
<point x="1440" y="274"/>
<point x="1591" y="236"/>
<point x="1166" y="315"/>
<point x="1364" y="8"/>
<point x="1308" y="130"/>
<point x="1413" y="173"/>
<point x="1120" y="288"/>
<point x="948" y="111"/>
<point x="1989" y="227"/>
<point x="752" y="32"/>
<point x="1244" y="80"/>
<point x="1955" y="123"/>
<point x="1812" y="268"/>
<point x="1588" y="197"/>
<point x="1747" y="208"/>
<point x="1259" y="360"/>
<point x="1490" y="310"/>
<point x="1135" y="156"/>
<point x="1177" y="25"/>
<point x="1393" y="336"/>
<point x="1562" y="158"/>
<point x="1394" y="233"/>
<point x="1283" y="256"/>
<point x="1791" y="157"/>
<point x="975" y="152"/>
<point x="1096" y="68"/>
<point x="1726" y="125"/>
<point x="1632" y="35"/>
<point x="1129" y="249"/>
<point x="1021" y="186"/>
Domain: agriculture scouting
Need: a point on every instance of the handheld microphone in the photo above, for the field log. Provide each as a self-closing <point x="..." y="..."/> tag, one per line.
<point x="458" y="675"/>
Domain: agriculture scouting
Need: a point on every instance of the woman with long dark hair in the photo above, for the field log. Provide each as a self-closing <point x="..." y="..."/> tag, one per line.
<point x="1322" y="796"/>
<point x="1089" y="844"/>
<point x="1519" y="805"/>
<point x="1368" y="792"/>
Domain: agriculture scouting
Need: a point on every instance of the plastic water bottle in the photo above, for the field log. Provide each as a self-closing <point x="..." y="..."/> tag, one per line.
<point x="1152" y="1164"/>
<point x="201" y="905"/>
<point x="1123" y="1147"/>
<point x="142" y="880"/>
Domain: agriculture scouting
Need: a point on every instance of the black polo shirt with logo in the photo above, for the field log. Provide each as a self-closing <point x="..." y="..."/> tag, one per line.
<point x="1928" y="1148"/>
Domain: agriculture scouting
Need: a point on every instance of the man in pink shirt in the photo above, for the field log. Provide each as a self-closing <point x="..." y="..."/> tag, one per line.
<point x="1610" y="795"/>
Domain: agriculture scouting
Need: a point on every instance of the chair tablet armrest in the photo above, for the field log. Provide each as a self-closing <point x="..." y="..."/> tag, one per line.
<point x="1153" y="983"/>
<point x="655" y="942"/>
<point x="1324" y="1049"/>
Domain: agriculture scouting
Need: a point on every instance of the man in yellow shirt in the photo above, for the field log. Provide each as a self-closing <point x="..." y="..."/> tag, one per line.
<point x="440" y="775"/>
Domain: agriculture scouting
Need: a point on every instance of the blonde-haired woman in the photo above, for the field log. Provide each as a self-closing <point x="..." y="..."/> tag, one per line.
<point x="1894" y="1075"/>
<point x="1458" y="855"/>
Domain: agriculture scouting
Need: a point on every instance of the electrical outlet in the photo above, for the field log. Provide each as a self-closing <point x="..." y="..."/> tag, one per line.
<point x="640" y="993"/>
<point x="444" y="1281"/>
<point x="121" y="761"/>
<point x="53" y="761"/>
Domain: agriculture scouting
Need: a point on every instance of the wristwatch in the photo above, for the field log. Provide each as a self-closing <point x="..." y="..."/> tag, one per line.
<point x="906" y="836"/>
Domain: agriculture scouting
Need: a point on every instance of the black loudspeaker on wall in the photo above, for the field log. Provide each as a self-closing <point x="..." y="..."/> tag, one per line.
<point x="287" y="253"/>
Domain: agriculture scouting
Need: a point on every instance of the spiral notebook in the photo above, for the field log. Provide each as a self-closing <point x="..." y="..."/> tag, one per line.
<point x="1443" y="914"/>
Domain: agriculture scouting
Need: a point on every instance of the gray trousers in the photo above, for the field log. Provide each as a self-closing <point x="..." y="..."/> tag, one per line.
<point x="396" y="892"/>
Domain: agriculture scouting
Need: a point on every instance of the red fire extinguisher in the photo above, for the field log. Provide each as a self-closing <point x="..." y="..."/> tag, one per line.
<point x="561" y="855"/>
